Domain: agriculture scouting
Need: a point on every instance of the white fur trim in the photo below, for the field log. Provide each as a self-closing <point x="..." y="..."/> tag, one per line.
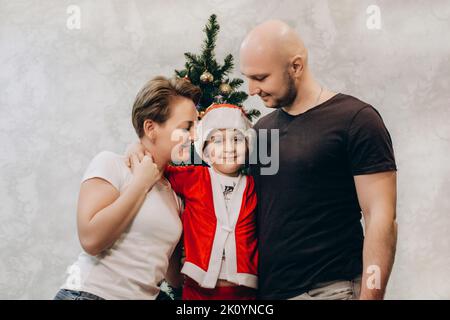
<point x="193" y="271"/>
<point x="248" y="280"/>
<point x="224" y="238"/>
<point x="198" y="274"/>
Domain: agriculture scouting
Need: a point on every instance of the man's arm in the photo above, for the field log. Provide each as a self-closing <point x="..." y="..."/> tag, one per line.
<point x="377" y="195"/>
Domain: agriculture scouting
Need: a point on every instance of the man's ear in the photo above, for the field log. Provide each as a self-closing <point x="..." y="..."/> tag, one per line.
<point x="149" y="129"/>
<point x="297" y="66"/>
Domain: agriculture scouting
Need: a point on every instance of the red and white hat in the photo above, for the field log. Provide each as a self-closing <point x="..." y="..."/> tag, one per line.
<point x="220" y="116"/>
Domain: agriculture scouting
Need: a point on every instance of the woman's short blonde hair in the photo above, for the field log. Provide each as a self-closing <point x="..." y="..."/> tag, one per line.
<point x="152" y="101"/>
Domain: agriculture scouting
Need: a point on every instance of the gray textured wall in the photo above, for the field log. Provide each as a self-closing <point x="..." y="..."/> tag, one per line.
<point x="66" y="94"/>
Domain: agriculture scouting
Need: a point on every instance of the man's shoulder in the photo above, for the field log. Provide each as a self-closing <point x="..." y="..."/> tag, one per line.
<point x="349" y="105"/>
<point x="266" y="122"/>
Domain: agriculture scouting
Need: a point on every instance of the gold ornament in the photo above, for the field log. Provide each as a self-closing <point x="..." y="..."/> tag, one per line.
<point x="206" y="77"/>
<point x="225" y="89"/>
<point x="201" y="114"/>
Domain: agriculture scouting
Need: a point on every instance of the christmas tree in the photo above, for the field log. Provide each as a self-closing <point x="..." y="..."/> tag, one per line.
<point x="204" y="71"/>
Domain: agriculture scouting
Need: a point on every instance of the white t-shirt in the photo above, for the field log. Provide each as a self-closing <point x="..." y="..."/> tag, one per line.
<point x="227" y="185"/>
<point x="137" y="262"/>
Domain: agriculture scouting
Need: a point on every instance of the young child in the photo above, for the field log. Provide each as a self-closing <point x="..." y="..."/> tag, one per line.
<point x="220" y="204"/>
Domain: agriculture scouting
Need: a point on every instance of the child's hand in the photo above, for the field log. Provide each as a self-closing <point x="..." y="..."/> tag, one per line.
<point x="136" y="149"/>
<point x="145" y="171"/>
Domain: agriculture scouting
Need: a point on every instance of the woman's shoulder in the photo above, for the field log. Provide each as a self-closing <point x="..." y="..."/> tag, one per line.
<point x="109" y="157"/>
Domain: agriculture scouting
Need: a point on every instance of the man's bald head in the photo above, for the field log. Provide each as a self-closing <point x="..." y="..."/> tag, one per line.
<point x="273" y="58"/>
<point x="274" y="39"/>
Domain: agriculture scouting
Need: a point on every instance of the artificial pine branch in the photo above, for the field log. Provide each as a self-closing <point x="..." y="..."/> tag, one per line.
<point x="228" y="64"/>
<point x="211" y="29"/>
<point x="192" y="59"/>
<point x="237" y="97"/>
<point x="236" y="83"/>
<point x="253" y="114"/>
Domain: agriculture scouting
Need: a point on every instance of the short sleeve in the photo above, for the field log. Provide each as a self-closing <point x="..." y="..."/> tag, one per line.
<point x="105" y="166"/>
<point x="369" y="145"/>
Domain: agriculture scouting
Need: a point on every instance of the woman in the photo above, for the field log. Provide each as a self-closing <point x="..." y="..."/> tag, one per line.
<point x="128" y="221"/>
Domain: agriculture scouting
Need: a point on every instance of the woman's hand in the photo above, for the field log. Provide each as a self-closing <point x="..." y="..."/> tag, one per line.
<point x="145" y="171"/>
<point x="104" y="212"/>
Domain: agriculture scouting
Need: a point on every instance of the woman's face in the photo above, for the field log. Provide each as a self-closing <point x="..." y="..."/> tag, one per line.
<point x="173" y="137"/>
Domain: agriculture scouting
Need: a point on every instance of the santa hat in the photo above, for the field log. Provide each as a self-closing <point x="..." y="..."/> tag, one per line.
<point x="220" y="116"/>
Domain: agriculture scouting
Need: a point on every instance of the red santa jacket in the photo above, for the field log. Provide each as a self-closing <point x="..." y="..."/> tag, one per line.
<point x="209" y="230"/>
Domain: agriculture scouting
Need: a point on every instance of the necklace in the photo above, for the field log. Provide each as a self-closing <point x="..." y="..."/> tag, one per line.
<point x="315" y="104"/>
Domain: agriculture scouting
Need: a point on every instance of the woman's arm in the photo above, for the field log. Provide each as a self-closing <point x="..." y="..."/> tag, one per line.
<point x="104" y="213"/>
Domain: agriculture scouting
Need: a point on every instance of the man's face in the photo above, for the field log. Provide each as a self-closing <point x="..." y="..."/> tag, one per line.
<point x="269" y="79"/>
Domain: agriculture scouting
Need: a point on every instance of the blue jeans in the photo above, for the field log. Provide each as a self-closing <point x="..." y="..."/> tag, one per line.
<point x="65" y="294"/>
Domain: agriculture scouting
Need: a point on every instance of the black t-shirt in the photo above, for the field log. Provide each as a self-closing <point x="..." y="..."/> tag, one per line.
<point x="308" y="217"/>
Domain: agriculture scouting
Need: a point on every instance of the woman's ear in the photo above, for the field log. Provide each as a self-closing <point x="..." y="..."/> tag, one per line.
<point x="149" y="130"/>
<point x="297" y="66"/>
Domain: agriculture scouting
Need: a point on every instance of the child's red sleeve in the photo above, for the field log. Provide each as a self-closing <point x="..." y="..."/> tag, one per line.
<point x="180" y="177"/>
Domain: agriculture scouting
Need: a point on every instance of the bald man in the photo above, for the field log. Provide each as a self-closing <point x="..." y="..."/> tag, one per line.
<point x="336" y="161"/>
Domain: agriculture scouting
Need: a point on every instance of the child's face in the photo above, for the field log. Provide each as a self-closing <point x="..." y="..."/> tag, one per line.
<point x="226" y="149"/>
